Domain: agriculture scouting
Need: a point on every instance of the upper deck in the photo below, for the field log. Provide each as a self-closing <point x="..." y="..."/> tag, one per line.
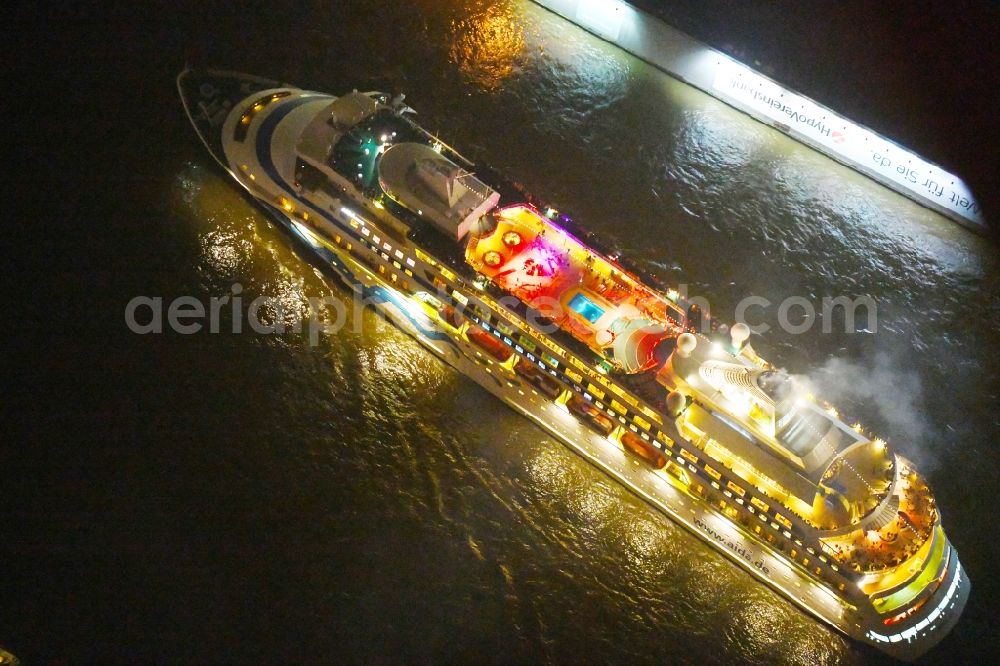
<point x="527" y="255"/>
<point x="909" y="521"/>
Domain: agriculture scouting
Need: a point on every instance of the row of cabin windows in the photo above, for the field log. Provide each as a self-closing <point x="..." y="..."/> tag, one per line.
<point x="771" y="537"/>
<point x="393" y="277"/>
<point x="780" y="523"/>
<point x="776" y="525"/>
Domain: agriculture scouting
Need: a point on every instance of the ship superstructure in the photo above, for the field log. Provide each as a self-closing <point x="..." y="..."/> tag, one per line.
<point x="679" y="409"/>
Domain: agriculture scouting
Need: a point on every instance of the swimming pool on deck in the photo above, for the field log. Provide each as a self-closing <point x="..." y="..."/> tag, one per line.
<point x="586" y="308"/>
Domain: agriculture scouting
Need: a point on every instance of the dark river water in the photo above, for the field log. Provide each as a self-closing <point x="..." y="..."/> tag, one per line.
<point x="253" y="497"/>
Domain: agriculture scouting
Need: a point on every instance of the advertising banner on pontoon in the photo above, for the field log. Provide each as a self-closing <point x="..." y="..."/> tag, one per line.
<point x="843" y="139"/>
<point x="799" y="117"/>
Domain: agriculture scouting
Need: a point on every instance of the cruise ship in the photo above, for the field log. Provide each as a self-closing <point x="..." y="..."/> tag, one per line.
<point x="622" y="370"/>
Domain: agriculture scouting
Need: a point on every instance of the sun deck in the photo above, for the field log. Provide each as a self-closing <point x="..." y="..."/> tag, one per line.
<point x="585" y="294"/>
<point x="907" y="530"/>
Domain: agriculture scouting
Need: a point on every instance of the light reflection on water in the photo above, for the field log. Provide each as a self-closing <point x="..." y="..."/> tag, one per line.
<point x="678" y="180"/>
<point x="488" y="45"/>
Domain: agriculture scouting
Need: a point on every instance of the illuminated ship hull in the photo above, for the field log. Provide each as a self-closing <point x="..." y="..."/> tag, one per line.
<point x="696" y="425"/>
